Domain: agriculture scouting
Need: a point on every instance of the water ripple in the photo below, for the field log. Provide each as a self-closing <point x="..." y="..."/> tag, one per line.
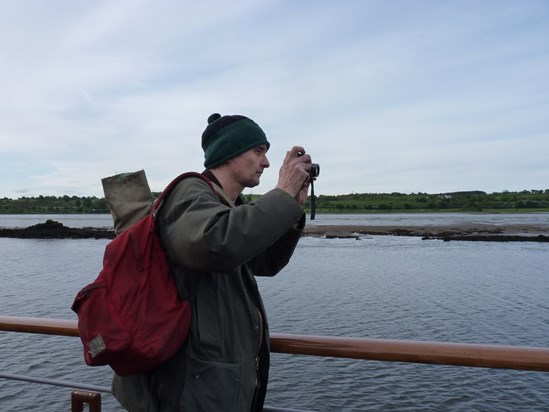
<point x="382" y="287"/>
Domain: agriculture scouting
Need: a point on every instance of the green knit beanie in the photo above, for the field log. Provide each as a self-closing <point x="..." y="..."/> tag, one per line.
<point x="227" y="137"/>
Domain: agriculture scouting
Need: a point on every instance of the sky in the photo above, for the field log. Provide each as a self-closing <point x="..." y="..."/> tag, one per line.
<point x="387" y="96"/>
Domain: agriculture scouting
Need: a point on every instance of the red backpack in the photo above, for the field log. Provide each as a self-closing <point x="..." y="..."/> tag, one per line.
<point x="131" y="317"/>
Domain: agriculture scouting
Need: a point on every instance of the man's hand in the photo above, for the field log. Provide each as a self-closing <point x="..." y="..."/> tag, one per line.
<point x="293" y="176"/>
<point x="301" y="197"/>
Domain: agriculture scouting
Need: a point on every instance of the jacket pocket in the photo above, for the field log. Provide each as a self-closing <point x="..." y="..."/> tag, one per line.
<point x="213" y="386"/>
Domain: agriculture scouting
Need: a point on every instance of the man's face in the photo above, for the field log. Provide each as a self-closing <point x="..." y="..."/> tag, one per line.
<point x="247" y="168"/>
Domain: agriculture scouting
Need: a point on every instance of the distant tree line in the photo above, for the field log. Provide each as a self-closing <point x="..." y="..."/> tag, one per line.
<point x="53" y="205"/>
<point x="474" y="201"/>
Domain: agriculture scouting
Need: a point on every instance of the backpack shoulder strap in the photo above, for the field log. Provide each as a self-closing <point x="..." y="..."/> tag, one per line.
<point x="174" y="182"/>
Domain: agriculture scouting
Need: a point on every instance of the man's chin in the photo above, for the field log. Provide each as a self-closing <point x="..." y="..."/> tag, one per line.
<point x="253" y="183"/>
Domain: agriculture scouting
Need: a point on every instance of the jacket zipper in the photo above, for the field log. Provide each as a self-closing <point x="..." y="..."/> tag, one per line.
<point x="257" y="359"/>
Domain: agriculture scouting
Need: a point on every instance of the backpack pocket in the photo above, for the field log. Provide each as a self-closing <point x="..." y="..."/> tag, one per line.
<point x="103" y="335"/>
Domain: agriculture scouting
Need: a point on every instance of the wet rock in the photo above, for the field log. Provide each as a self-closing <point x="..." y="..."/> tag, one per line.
<point x="494" y="238"/>
<point x="464" y="232"/>
<point x="342" y="236"/>
<point x="52" y="229"/>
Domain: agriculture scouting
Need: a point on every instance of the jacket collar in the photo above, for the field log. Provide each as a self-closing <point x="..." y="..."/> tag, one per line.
<point x="208" y="173"/>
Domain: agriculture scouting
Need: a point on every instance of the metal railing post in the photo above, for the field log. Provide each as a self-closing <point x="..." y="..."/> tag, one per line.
<point x="79" y="398"/>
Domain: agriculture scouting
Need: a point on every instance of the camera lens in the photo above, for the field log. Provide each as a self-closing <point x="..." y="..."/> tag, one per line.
<point x="315" y="170"/>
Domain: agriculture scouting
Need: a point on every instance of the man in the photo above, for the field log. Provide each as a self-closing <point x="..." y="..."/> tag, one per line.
<point x="216" y="245"/>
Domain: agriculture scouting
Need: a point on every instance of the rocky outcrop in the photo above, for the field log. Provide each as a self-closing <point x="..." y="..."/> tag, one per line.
<point x="490" y="238"/>
<point x="463" y="232"/>
<point x="52" y="229"/>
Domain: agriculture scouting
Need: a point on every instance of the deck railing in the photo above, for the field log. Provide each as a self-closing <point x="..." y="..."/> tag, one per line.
<point x="457" y="354"/>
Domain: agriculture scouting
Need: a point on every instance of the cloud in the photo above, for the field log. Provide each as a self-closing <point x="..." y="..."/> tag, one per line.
<point x="387" y="96"/>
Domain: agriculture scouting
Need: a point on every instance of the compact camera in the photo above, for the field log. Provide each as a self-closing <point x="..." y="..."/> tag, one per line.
<point x="314" y="171"/>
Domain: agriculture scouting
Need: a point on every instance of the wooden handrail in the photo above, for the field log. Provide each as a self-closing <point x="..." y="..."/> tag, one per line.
<point x="42" y="326"/>
<point x="458" y="354"/>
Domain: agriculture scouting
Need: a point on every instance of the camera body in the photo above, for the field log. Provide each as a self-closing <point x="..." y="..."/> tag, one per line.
<point x="314" y="171"/>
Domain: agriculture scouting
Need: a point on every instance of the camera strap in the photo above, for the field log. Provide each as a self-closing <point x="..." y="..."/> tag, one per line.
<point x="313" y="200"/>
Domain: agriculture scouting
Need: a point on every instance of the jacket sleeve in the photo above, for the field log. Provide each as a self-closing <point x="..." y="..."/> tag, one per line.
<point x="275" y="257"/>
<point x="205" y="234"/>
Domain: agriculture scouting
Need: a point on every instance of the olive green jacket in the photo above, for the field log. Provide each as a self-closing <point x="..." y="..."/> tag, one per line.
<point x="215" y="249"/>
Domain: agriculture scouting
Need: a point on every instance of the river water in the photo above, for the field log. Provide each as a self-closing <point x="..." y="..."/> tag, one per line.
<point x="387" y="287"/>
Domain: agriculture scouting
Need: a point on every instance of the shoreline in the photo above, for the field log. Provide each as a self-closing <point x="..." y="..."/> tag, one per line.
<point x="464" y="231"/>
<point x="472" y="232"/>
